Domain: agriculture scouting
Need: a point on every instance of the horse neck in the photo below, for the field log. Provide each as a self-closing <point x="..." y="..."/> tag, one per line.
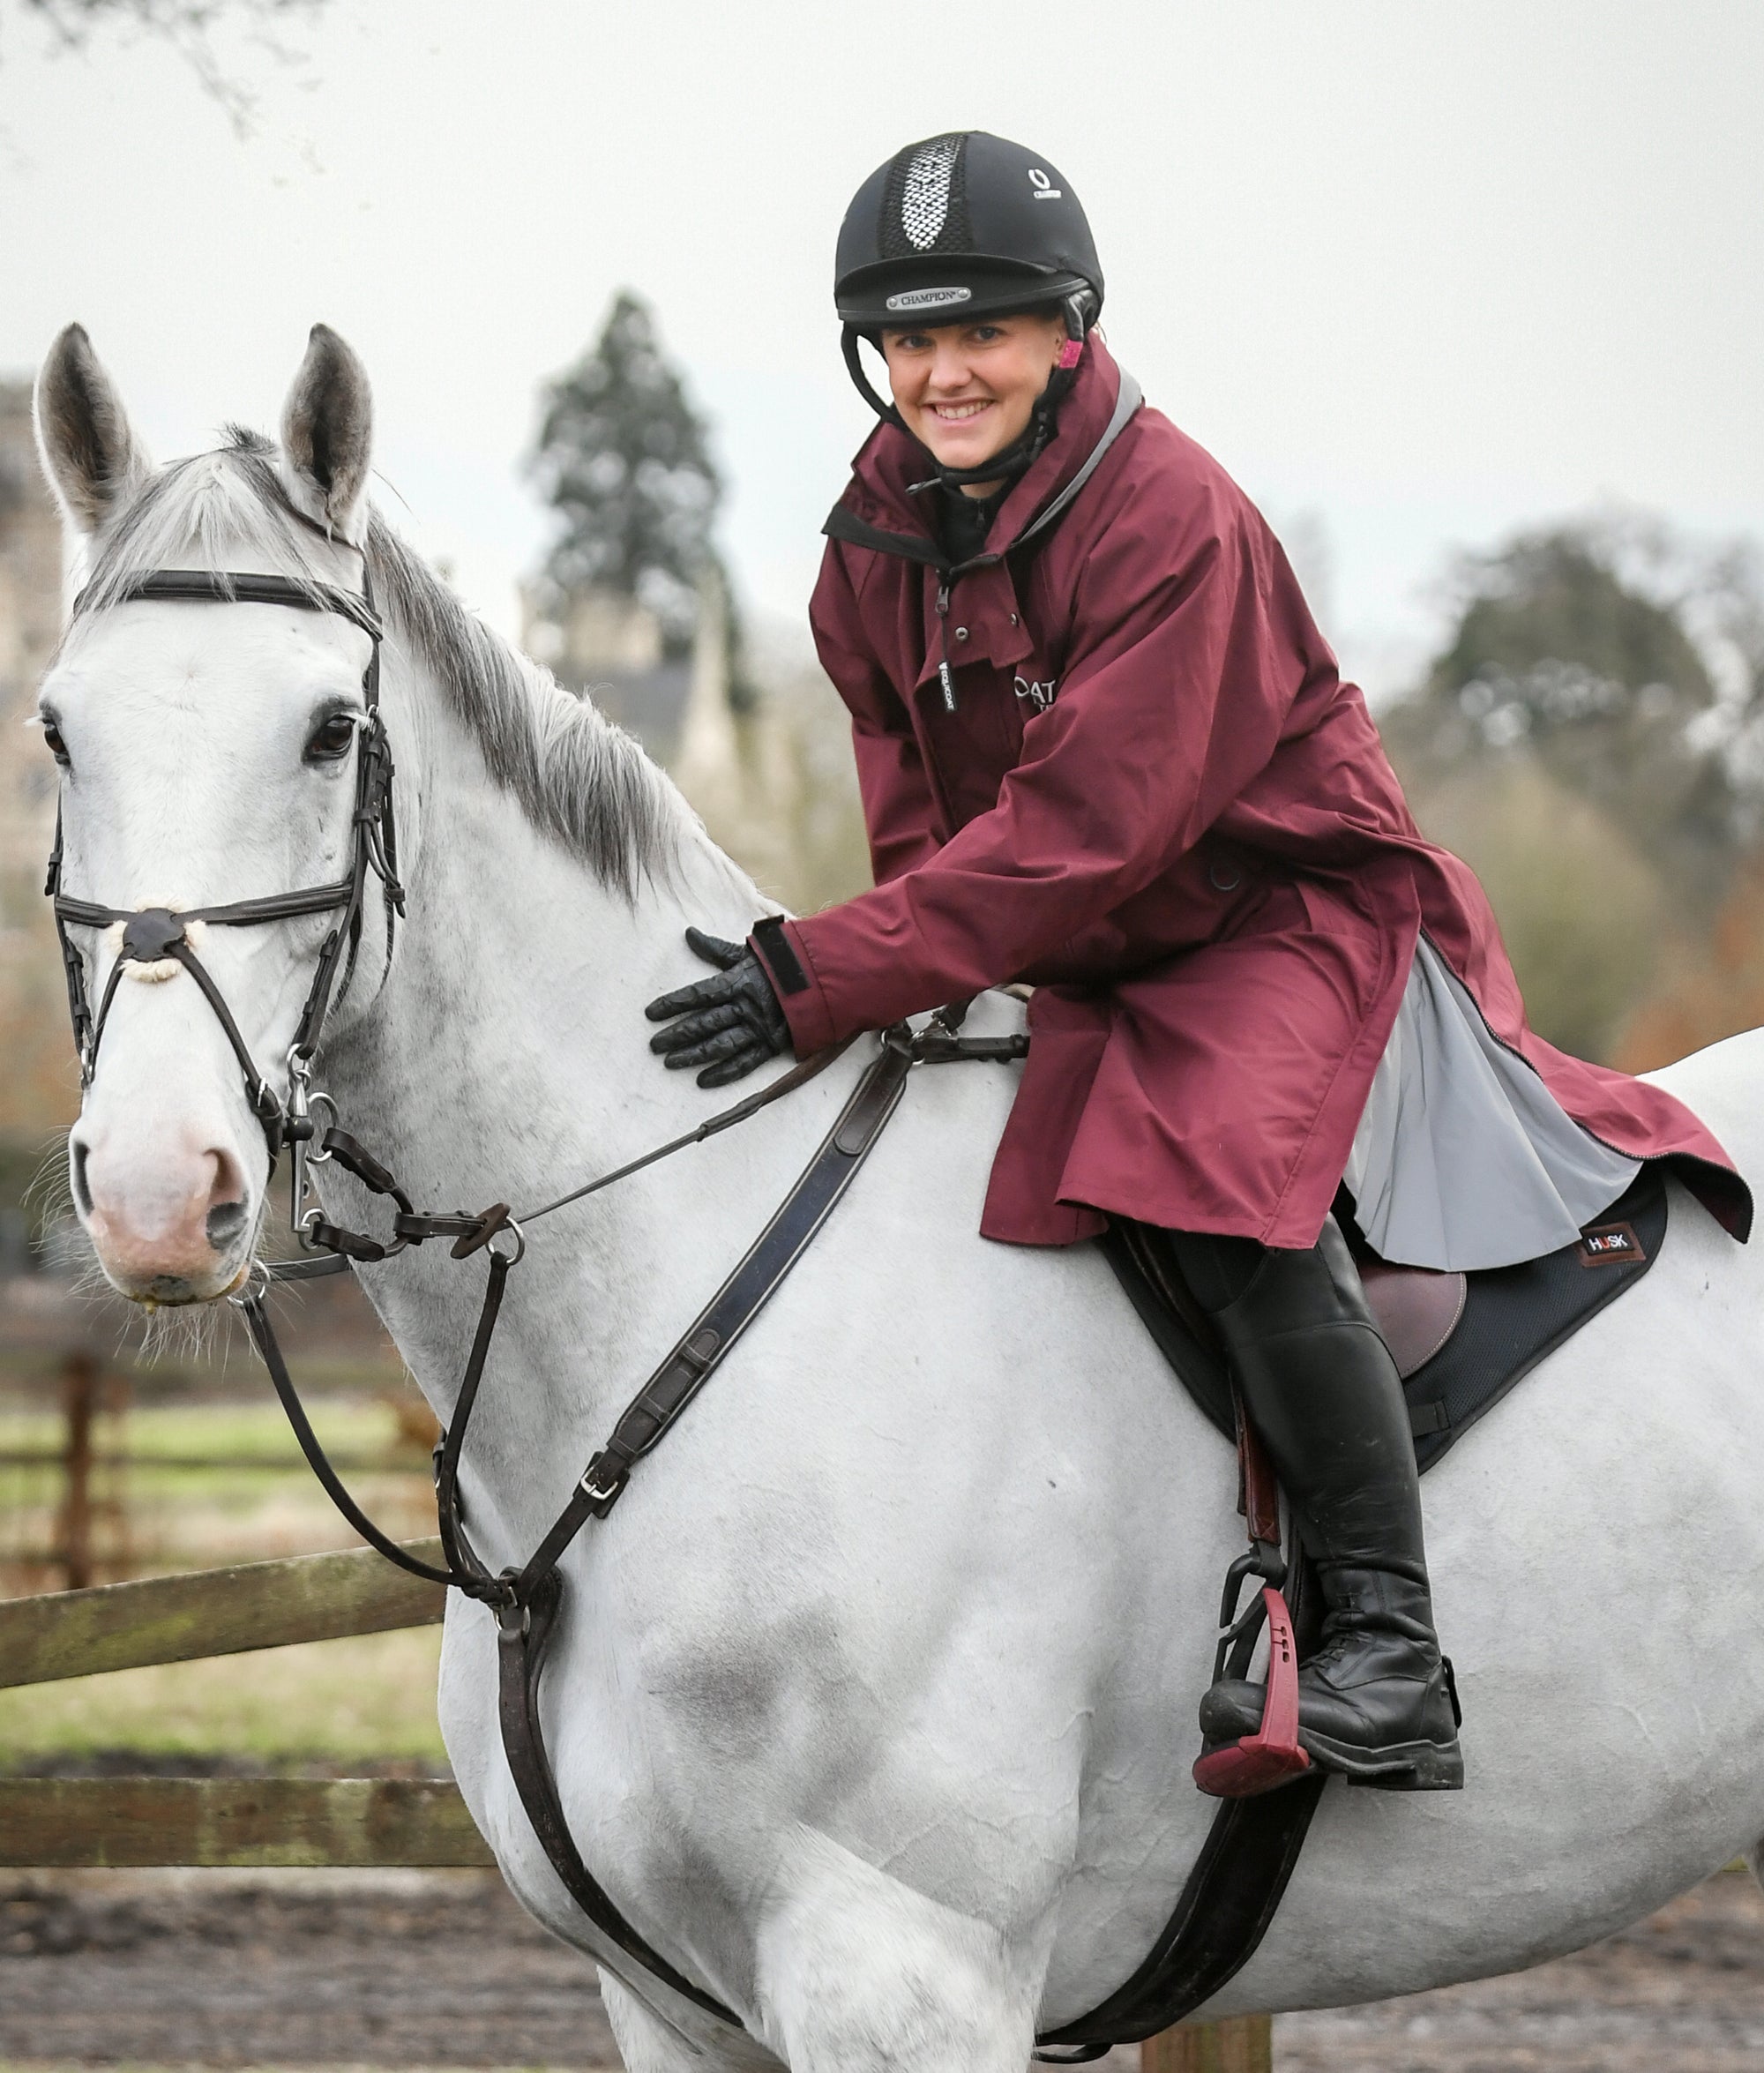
<point x="507" y="1059"/>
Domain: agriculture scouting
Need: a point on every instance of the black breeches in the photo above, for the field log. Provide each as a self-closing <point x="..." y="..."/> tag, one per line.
<point x="1216" y="1269"/>
<point x="1255" y="1292"/>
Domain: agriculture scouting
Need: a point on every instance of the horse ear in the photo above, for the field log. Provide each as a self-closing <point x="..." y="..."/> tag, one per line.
<point x="89" y="449"/>
<point x="327" y="427"/>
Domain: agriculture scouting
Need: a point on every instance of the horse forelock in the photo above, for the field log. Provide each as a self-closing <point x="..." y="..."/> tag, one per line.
<point x="576" y="776"/>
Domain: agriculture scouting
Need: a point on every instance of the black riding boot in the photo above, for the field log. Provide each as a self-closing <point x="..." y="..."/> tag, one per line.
<point x="1325" y="1395"/>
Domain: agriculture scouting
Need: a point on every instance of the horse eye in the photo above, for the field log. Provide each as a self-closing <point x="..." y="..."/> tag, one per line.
<point x="57" y="746"/>
<point x="330" y="738"/>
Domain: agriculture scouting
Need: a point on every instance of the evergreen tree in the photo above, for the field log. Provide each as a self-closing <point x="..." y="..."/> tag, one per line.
<point x="623" y="460"/>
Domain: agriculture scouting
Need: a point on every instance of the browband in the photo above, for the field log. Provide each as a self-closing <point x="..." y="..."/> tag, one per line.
<point x="231" y="586"/>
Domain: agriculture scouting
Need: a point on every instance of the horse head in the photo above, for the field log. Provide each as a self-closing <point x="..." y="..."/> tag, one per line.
<point x="209" y="754"/>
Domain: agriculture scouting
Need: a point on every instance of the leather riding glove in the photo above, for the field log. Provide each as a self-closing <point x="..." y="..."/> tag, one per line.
<point x="730" y="1024"/>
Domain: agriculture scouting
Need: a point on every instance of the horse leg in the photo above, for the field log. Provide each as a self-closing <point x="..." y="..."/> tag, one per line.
<point x="859" y="1973"/>
<point x="647" y="2045"/>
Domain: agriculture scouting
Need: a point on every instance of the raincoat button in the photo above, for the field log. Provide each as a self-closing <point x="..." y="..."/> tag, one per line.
<point x="1226" y="877"/>
<point x="961" y="633"/>
<point x="1013" y="619"/>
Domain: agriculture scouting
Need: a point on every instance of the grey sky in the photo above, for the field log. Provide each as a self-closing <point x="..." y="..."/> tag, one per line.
<point x="1425" y="271"/>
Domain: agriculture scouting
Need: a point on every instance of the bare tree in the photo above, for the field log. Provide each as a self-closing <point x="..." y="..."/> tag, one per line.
<point x="187" y="25"/>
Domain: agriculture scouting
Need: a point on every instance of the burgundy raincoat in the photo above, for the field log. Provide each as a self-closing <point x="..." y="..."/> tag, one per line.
<point x="1138" y="782"/>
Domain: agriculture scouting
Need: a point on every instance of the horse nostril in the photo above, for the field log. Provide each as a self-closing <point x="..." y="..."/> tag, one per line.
<point x="82" y="1189"/>
<point x="225" y="1223"/>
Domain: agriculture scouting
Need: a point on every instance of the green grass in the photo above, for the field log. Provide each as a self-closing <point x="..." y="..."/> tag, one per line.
<point x="154" y="1519"/>
<point x="366" y="1698"/>
<point x="257" y="1431"/>
<point x="370" y="1697"/>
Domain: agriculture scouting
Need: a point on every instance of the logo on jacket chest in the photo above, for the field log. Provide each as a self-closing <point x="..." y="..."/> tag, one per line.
<point x="1038" y="696"/>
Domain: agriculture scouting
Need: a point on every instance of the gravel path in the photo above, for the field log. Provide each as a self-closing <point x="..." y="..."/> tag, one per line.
<point x="442" y="1970"/>
<point x="293" y="1970"/>
<point x="1682" y="1993"/>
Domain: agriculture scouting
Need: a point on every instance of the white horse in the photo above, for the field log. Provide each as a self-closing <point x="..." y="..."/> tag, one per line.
<point x="873" y="1705"/>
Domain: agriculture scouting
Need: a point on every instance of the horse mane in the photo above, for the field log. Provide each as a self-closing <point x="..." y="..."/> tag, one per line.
<point x="578" y="777"/>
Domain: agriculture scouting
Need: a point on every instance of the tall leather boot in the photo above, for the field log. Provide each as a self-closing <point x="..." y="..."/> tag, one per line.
<point x="1325" y="1395"/>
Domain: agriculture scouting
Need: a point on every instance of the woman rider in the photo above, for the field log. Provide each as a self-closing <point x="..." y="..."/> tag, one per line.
<point x="1102" y="748"/>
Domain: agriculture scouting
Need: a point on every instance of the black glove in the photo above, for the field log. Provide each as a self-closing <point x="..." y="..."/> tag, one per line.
<point x="730" y="1024"/>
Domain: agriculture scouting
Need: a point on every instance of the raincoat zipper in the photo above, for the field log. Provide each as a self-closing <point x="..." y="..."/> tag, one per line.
<point x="944" y="676"/>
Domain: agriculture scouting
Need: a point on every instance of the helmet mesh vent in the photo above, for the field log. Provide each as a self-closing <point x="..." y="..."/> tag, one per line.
<point x="924" y="203"/>
<point x="924" y="200"/>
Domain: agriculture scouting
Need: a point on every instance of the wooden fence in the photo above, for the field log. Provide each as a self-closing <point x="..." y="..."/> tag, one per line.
<point x="263" y="1822"/>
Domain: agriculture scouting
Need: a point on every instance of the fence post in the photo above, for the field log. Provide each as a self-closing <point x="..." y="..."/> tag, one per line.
<point x="1240" y="2044"/>
<point x="80" y="1403"/>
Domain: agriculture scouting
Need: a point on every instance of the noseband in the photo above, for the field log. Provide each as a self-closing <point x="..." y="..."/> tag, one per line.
<point x="151" y="934"/>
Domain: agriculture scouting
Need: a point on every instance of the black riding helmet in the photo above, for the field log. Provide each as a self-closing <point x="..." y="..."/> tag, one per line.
<point x="963" y="226"/>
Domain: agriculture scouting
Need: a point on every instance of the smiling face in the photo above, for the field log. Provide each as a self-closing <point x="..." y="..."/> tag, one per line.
<point x="967" y="391"/>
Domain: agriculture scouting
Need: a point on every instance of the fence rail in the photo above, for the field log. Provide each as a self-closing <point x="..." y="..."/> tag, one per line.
<point x="212" y="1612"/>
<point x="354" y="1822"/>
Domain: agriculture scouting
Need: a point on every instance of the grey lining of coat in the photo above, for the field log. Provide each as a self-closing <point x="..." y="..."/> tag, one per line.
<point x="1463" y="1158"/>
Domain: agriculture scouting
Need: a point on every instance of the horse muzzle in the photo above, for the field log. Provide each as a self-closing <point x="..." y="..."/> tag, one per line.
<point x="170" y="1225"/>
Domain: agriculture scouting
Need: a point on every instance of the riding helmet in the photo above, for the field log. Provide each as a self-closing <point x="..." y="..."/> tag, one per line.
<point x="965" y="224"/>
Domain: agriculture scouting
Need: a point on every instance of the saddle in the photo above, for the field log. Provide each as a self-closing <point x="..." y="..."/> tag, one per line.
<point x="1461" y="1342"/>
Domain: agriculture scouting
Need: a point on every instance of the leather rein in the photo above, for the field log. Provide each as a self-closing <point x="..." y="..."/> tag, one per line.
<point x="525" y="1598"/>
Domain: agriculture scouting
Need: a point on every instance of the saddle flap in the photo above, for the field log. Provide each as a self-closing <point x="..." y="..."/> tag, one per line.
<point x="1417" y="1309"/>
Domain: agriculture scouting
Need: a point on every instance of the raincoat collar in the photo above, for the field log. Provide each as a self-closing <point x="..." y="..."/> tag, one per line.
<point x="878" y="510"/>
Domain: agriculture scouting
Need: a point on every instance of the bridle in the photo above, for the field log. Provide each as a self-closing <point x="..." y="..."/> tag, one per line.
<point x="151" y="934"/>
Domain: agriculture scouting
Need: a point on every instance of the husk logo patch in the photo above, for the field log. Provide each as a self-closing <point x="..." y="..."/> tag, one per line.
<point x="1611" y="1243"/>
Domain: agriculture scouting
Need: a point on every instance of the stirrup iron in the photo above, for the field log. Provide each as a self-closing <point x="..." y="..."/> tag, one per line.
<point x="1271" y="1756"/>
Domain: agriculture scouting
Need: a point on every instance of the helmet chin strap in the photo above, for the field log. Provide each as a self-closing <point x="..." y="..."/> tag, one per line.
<point x="860" y="376"/>
<point x="1011" y="461"/>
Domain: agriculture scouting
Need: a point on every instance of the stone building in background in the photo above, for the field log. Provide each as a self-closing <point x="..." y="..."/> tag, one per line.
<point x="772" y="776"/>
<point x="39" y="1087"/>
<point x="609" y="645"/>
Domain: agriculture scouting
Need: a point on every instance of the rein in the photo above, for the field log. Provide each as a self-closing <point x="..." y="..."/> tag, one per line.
<point x="525" y="1599"/>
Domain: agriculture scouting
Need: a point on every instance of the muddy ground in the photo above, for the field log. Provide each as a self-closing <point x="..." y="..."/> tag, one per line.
<point x="442" y="1970"/>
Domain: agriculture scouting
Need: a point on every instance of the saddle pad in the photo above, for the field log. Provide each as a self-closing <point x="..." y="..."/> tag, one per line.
<point x="1512" y="1316"/>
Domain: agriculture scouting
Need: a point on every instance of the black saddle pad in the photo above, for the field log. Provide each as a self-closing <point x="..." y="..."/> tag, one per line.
<point x="1513" y="1316"/>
